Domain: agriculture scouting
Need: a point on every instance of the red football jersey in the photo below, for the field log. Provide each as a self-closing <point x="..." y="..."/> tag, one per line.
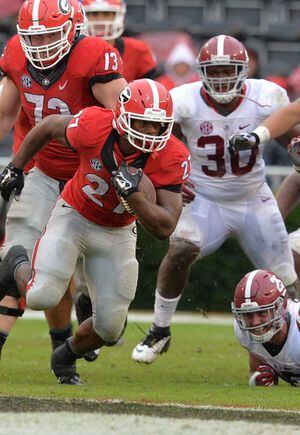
<point x="90" y="191"/>
<point x="66" y="89"/>
<point x="139" y="60"/>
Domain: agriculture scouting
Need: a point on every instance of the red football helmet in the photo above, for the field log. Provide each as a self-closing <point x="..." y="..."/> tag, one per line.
<point x="220" y="51"/>
<point x="52" y="19"/>
<point x="145" y="100"/>
<point x="106" y="29"/>
<point x="79" y="19"/>
<point x="260" y="292"/>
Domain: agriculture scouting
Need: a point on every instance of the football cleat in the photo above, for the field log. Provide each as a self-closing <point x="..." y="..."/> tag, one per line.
<point x="63" y="365"/>
<point x="83" y="308"/>
<point x="15" y="256"/>
<point x="156" y="342"/>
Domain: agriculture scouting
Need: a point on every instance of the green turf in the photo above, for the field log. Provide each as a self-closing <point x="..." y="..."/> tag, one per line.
<point x="204" y="366"/>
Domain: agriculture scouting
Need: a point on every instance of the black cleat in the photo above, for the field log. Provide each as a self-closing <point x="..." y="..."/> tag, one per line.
<point x="15" y="256"/>
<point x="63" y="365"/>
<point x="83" y="308"/>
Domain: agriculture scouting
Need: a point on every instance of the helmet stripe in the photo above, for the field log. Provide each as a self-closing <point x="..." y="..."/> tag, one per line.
<point x="35" y="12"/>
<point x="249" y="284"/>
<point x="155" y="93"/>
<point x="220" y="45"/>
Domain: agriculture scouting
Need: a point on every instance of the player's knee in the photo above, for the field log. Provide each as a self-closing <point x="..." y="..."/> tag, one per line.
<point x="183" y="251"/>
<point x="111" y="328"/>
<point x="44" y="295"/>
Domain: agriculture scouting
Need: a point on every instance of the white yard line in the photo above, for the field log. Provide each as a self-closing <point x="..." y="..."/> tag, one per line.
<point x="65" y="423"/>
<point x="139" y="316"/>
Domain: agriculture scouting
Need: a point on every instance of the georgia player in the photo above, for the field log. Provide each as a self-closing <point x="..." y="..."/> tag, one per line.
<point x="230" y="196"/>
<point x="267" y="324"/>
<point x="89" y="218"/>
<point x="49" y="70"/>
<point x="105" y="19"/>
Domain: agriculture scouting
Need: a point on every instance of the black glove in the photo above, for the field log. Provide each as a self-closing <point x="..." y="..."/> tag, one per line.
<point x="126" y="180"/>
<point x="11" y="179"/>
<point x="242" y="141"/>
<point x="293" y="150"/>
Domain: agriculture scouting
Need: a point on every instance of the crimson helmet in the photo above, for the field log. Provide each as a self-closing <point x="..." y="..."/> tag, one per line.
<point x="79" y="19"/>
<point x="145" y="100"/>
<point x="220" y="51"/>
<point x="106" y="29"/>
<point x="260" y="291"/>
<point x="46" y="17"/>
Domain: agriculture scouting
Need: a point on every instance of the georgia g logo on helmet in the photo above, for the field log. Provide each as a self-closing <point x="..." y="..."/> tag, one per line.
<point x="125" y="95"/>
<point x="64" y="6"/>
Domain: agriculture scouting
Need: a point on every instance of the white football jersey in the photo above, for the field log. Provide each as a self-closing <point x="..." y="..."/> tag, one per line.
<point x="287" y="362"/>
<point x="215" y="173"/>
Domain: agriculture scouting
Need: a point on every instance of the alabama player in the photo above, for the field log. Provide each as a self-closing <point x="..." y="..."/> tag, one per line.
<point x="230" y="196"/>
<point x="105" y="19"/>
<point x="50" y="69"/>
<point x="267" y="324"/>
<point x="114" y="148"/>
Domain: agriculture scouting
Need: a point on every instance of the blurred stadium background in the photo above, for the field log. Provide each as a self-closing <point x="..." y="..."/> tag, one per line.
<point x="270" y="30"/>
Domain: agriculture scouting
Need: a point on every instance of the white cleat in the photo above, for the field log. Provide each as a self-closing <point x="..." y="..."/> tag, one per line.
<point x="155" y="343"/>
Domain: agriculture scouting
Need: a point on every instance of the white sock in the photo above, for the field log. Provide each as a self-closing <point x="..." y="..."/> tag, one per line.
<point x="164" y="309"/>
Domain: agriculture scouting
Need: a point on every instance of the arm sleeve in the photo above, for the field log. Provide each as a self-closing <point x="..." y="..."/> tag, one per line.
<point x="109" y="65"/>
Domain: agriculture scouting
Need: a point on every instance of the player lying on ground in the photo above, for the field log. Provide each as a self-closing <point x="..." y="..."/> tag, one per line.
<point x="89" y="219"/>
<point x="230" y="194"/>
<point x="267" y="325"/>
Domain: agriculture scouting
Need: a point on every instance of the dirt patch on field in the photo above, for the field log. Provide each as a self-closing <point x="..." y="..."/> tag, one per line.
<point x="28" y="404"/>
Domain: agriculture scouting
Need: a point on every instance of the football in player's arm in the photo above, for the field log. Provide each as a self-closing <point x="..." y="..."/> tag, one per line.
<point x="267" y="325"/>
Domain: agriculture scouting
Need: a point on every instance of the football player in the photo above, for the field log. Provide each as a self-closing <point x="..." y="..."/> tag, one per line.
<point x="230" y="196"/>
<point x="50" y="67"/>
<point x="114" y="149"/>
<point x="267" y="325"/>
<point x="105" y="19"/>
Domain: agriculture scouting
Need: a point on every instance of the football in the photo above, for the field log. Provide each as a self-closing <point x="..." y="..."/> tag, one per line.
<point x="146" y="187"/>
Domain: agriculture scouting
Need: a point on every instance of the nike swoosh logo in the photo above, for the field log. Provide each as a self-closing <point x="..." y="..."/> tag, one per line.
<point x="241" y="127"/>
<point x="62" y="87"/>
<point x="265" y="199"/>
<point x="67" y="206"/>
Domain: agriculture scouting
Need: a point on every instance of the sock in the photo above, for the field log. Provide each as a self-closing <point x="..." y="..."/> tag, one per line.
<point x="3" y="337"/>
<point x="164" y="309"/>
<point x="60" y="335"/>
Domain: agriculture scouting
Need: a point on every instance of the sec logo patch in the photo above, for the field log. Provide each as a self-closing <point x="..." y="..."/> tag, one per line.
<point x="96" y="164"/>
<point x="26" y="81"/>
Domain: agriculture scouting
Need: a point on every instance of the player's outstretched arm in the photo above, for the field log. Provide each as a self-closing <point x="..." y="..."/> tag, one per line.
<point x="52" y="127"/>
<point x="280" y="125"/>
<point x="288" y="194"/>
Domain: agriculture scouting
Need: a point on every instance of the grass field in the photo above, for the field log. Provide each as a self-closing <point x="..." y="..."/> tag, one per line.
<point x="204" y="366"/>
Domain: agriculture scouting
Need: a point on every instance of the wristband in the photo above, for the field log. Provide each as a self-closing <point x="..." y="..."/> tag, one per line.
<point x="263" y="134"/>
